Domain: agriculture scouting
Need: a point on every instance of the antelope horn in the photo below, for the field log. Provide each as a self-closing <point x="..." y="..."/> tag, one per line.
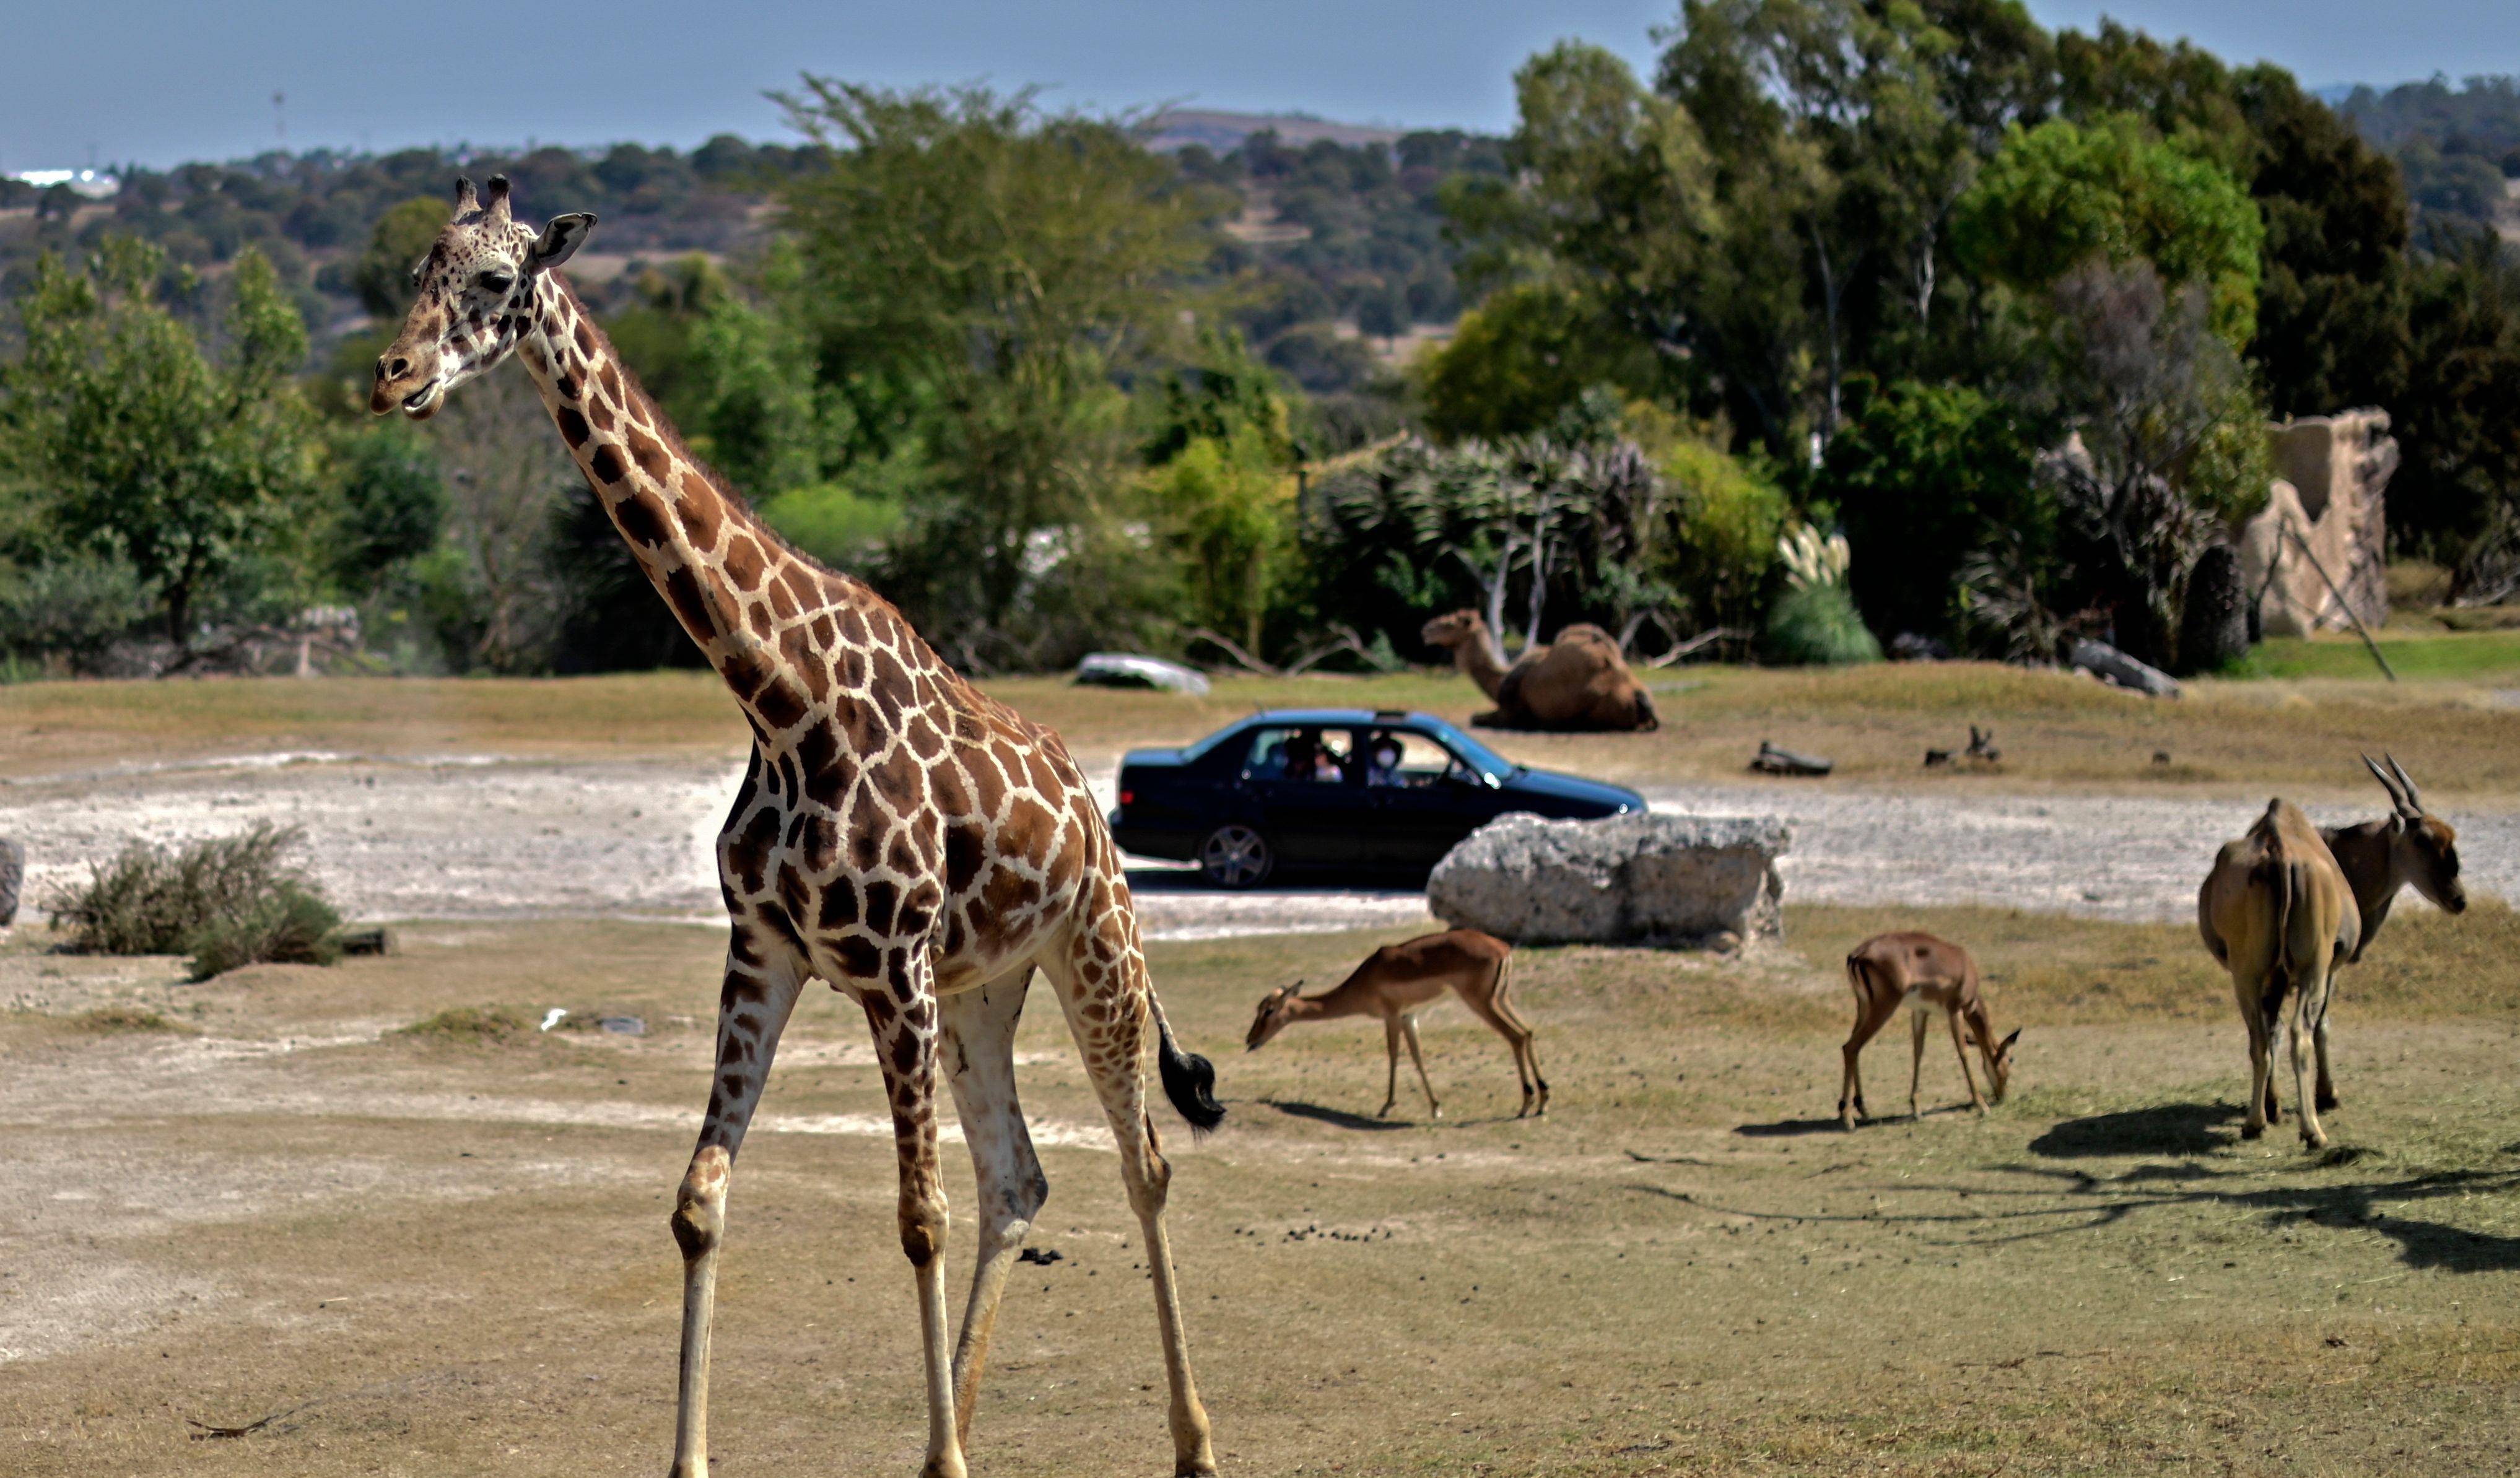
<point x="2397" y="799"/>
<point x="2414" y="801"/>
<point x="466" y="201"/>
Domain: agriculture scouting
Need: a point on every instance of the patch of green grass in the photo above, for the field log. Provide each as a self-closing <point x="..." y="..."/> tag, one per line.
<point x="115" y="1020"/>
<point x="472" y="1026"/>
<point x="2462" y="656"/>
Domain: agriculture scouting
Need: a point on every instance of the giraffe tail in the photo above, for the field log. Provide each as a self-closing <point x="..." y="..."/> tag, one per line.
<point x="1190" y="1080"/>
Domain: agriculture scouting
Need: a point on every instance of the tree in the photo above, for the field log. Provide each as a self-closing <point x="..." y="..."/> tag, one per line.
<point x="977" y="273"/>
<point x="2060" y="197"/>
<point x="156" y="454"/>
<point x="1925" y="475"/>
<point x="1521" y="358"/>
<point x="401" y="238"/>
<point x="2171" y="446"/>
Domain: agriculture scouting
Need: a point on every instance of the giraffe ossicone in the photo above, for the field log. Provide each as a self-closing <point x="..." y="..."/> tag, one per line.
<point x="898" y="833"/>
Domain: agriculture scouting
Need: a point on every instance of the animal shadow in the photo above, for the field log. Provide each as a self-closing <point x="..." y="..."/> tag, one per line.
<point x="1785" y="1128"/>
<point x="1339" y="1116"/>
<point x="2171" y="1129"/>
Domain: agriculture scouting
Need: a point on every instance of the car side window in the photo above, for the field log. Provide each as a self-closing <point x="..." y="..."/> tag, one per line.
<point x="1409" y="760"/>
<point x="1309" y="756"/>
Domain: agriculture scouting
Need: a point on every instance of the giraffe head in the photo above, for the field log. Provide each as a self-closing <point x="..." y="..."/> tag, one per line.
<point x="477" y="288"/>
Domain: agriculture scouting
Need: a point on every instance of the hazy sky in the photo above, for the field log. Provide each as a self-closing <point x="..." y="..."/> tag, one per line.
<point x="164" y="82"/>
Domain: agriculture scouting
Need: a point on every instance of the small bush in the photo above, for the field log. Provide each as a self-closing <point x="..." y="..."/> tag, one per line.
<point x="116" y="1019"/>
<point x="471" y="1025"/>
<point x="290" y="926"/>
<point x="1817" y="625"/>
<point x="228" y="901"/>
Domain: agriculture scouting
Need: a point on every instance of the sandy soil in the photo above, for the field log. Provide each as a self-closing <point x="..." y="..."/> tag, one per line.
<point x="486" y="838"/>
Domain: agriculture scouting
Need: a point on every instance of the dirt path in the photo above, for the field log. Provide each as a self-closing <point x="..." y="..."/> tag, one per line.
<point x="488" y="837"/>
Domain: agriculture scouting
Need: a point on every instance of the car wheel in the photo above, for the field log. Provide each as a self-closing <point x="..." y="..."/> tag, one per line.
<point x="1234" y="856"/>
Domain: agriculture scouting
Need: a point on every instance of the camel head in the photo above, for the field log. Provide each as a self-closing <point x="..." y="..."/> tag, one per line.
<point x="1450" y="632"/>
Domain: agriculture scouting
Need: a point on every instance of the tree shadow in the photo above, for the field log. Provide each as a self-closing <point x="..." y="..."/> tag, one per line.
<point x="1339" y="1116"/>
<point x="2174" y="1129"/>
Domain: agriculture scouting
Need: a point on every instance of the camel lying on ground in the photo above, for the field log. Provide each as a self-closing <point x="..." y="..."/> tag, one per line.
<point x="1577" y="682"/>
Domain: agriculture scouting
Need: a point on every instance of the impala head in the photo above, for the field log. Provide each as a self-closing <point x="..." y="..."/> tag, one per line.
<point x="2421" y="845"/>
<point x="1998" y="1067"/>
<point x="1272" y="1017"/>
<point x="1451" y="631"/>
<point x="475" y="286"/>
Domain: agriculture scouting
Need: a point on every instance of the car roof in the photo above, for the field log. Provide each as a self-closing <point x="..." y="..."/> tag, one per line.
<point x="1364" y="718"/>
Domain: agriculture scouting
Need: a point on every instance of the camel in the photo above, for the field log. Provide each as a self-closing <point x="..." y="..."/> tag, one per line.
<point x="1578" y="682"/>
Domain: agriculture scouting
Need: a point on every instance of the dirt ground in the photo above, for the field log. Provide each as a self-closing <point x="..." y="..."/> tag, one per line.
<point x="444" y="1251"/>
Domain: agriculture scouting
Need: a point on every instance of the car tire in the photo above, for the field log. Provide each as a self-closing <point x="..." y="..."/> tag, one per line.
<point x="1236" y="856"/>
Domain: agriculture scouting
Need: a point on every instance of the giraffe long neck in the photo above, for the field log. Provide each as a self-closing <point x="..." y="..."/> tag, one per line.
<point x="730" y="583"/>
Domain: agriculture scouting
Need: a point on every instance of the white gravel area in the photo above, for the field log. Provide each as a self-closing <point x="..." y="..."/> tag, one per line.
<point x="474" y="837"/>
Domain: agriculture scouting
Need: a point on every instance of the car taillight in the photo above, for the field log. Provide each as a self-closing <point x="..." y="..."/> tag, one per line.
<point x="1128" y="797"/>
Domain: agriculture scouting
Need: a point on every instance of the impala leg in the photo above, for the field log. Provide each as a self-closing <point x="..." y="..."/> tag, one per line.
<point x="1498" y="1012"/>
<point x="761" y="983"/>
<point x="1408" y="1032"/>
<point x="1391" y="1080"/>
<point x="1960" y="1046"/>
<point x="1108" y="974"/>
<point x="902" y="1012"/>
<point x="978" y="1053"/>
<point x="1915" y="1059"/>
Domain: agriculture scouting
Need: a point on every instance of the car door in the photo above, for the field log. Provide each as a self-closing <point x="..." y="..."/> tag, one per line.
<point x="1315" y="815"/>
<point x="1431" y="801"/>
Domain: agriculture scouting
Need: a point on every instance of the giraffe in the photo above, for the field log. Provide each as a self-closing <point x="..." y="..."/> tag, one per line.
<point x="898" y="835"/>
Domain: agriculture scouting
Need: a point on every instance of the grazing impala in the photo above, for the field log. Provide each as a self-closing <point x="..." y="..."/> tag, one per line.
<point x="1395" y="982"/>
<point x="2410" y="847"/>
<point x="1891" y="971"/>
<point x="2277" y="913"/>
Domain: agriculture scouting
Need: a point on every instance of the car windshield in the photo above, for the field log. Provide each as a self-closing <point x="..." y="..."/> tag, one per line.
<point x="1496" y="765"/>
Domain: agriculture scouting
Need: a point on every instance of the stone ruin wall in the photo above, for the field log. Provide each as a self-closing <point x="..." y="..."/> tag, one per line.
<point x="2331" y="487"/>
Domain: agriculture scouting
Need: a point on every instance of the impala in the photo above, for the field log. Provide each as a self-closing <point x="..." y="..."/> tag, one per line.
<point x="1891" y="971"/>
<point x="1398" y="980"/>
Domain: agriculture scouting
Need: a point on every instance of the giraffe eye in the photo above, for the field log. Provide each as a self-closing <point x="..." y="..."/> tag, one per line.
<point x="497" y="282"/>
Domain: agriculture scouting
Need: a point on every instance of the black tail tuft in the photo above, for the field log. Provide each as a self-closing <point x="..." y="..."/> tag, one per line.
<point x="1189" y="1081"/>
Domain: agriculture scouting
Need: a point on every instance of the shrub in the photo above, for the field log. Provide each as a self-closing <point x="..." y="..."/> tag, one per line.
<point x="228" y="901"/>
<point x="483" y="1025"/>
<point x="1817" y="625"/>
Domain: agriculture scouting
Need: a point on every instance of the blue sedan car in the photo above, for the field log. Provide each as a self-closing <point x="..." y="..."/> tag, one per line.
<point x="1354" y="791"/>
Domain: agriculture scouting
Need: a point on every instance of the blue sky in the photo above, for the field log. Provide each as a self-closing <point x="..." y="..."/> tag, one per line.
<point x="160" y="82"/>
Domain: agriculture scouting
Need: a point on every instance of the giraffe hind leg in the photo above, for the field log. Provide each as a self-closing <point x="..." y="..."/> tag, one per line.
<point x="978" y="1052"/>
<point x="1104" y="991"/>
<point x="901" y="1009"/>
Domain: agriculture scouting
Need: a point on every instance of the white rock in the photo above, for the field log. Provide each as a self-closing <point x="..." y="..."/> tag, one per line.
<point x="1647" y="879"/>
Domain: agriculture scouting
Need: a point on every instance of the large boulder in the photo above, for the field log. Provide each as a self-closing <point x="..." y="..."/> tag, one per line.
<point x="1706" y="881"/>
<point x="12" y="875"/>
<point x="1129" y="669"/>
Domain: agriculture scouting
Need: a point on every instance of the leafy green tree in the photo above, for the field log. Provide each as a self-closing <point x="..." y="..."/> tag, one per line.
<point x="977" y="273"/>
<point x="1229" y="507"/>
<point x="2061" y="195"/>
<point x="1521" y="358"/>
<point x="402" y="235"/>
<point x="157" y="455"/>
<point x="393" y="503"/>
<point x="1921" y="477"/>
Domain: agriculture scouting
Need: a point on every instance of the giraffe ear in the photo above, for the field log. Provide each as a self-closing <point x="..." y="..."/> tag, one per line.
<point x="559" y="239"/>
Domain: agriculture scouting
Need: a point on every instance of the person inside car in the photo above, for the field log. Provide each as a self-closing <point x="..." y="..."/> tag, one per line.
<point x="1383" y="768"/>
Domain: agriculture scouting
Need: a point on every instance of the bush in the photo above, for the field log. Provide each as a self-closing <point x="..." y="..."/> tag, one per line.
<point x="228" y="901"/>
<point x="1719" y="539"/>
<point x="475" y="1025"/>
<point x="1817" y="625"/>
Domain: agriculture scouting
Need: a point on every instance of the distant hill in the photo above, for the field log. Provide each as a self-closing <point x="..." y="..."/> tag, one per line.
<point x="1222" y="133"/>
<point x="2460" y="147"/>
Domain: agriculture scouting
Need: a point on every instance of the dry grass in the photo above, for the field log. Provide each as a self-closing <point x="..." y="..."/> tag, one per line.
<point x="1876" y="722"/>
<point x="1685" y="1269"/>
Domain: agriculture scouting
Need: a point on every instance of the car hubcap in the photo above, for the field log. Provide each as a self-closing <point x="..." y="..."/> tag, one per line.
<point x="1234" y="856"/>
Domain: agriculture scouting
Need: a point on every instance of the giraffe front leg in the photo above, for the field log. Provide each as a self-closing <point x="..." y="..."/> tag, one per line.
<point x="979" y="1049"/>
<point x="903" y="1013"/>
<point x="759" y="993"/>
